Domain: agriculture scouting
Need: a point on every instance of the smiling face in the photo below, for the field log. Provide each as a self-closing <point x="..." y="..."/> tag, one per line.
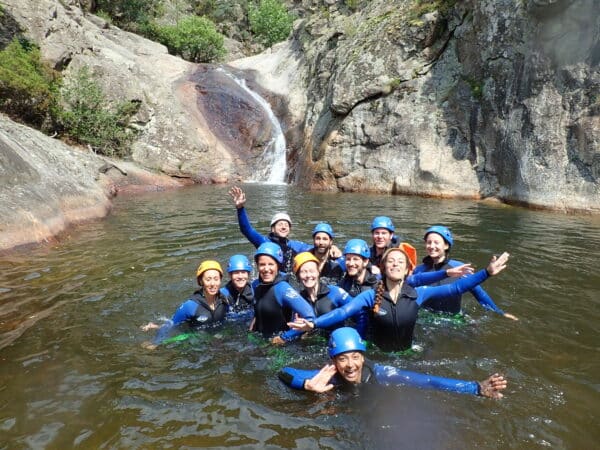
<point x="355" y="264"/>
<point x="267" y="268"/>
<point x="436" y="247"/>
<point x="281" y="228"/>
<point x="395" y="266"/>
<point x="211" y="282"/>
<point x="239" y="278"/>
<point x="349" y="365"/>
<point x="322" y="243"/>
<point x="309" y="274"/>
<point x="381" y="238"/>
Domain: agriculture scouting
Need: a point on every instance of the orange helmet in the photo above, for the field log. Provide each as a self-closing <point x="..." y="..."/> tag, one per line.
<point x="408" y="250"/>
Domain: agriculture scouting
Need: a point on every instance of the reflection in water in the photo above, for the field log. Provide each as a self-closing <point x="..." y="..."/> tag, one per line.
<point x="74" y="374"/>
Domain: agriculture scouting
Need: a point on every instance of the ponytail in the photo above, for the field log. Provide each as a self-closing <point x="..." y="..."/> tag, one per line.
<point x="379" y="290"/>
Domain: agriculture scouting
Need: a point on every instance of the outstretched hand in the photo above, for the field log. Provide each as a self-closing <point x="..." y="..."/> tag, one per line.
<point x="238" y="196"/>
<point x="510" y="316"/>
<point x="497" y="264"/>
<point x="335" y="252"/>
<point x="459" y="271"/>
<point x="492" y="386"/>
<point x="321" y="381"/>
<point x="300" y="324"/>
<point x="150" y="326"/>
<point x="277" y="340"/>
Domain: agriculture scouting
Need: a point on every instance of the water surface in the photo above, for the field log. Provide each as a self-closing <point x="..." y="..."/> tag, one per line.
<point x="73" y="373"/>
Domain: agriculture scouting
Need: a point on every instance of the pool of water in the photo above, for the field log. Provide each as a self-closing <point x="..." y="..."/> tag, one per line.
<point x="73" y="373"/>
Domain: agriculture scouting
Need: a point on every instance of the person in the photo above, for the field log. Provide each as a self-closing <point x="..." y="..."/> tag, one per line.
<point x="238" y="291"/>
<point x="394" y="304"/>
<point x="274" y="298"/>
<point x="322" y="297"/>
<point x="382" y="232"/>
<point x="281" y="226"/>
<point x="438" y="243"/>
<point x="330" y="267"/>
<point x="357" y="277"/>
<point x="206" y="306"/>
<point x="349" y="369"/>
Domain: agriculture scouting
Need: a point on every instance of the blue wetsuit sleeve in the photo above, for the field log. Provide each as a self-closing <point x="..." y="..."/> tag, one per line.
<point x="247" y="230"/>
<point x="295" y="378"/>
<point x="185" y="311"/>
<point x="356" y="305"/>
<point x="388" y="375"/>
<point x="479" y="293"/>
<point x="289" y="297"/>
<point x="425" y="293"/>
<point x="420" y="268"/>
<point x="425" y="278"/>
<point x="485" y="300"/>
<point x="299" y="246"/>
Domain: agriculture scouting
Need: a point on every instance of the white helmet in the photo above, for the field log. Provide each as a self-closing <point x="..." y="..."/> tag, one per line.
<point x="281" y="216"/>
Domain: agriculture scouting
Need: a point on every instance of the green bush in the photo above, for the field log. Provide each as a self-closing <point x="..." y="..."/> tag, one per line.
<point x="193" y="38"/>
<point x="270" y="21"/>
<point x="26" y="84"/>
<point x="85" y="115"/>
<point x="129" y="14"/>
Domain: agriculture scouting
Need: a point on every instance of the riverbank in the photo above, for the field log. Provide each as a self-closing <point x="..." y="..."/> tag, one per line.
<point x="47" y="186"/>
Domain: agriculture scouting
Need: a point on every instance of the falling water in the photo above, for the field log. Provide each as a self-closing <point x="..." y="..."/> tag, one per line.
<point x="272" y="163"/>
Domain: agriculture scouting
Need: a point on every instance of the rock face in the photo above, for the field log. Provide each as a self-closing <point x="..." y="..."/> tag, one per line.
<point x="496" y="99"/>
<point x="132" y="68"/>
<point x="45" y="185"/>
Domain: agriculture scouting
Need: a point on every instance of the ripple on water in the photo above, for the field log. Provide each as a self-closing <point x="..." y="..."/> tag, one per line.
<point x="84" y="380"/>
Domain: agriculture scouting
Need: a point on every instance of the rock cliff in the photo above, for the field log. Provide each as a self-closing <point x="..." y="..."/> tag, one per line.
<point x="487" y="98"/>
<point x="493" y="98"/>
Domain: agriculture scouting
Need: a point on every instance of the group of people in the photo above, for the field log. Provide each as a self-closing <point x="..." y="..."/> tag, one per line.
<point x="376" y="289"/>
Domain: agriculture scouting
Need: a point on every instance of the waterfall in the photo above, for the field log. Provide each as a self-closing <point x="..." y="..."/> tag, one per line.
<point x="272" y="163"/>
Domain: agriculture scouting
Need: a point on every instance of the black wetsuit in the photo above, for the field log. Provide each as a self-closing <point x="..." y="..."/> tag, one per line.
<point x="274" y="304"/>
<point x="238" y="301"/>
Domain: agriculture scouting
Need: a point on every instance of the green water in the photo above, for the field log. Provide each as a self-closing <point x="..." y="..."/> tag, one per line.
<point x="73" y="373"/>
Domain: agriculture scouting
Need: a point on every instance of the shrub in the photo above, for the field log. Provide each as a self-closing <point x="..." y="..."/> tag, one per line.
<point x="193" y="38"/>
<point x="26" y="84"/>
<point x="85" y="114"/>
<point x="129" y="14"/>
<point x="270" y="21"/>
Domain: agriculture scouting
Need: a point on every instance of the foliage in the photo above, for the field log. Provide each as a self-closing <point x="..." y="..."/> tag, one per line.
<point x="421" y="7"/>
<point x="193" y="38"/>
<point x="352" y="4"/>
<point x="129" y="14"/>
<point x="476" y="87"/>
<point x="270" y="21"/>
<point x="85" y="114"/>
<point x="26" y="84"/>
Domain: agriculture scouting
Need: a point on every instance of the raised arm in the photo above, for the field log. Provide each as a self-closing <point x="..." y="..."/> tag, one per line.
<point x="239" y="199"/>
<point x="425" y="278"/>
<point x="490" y="387"/>
<point x="496" y="265"/>
<point x="309" y="380"/>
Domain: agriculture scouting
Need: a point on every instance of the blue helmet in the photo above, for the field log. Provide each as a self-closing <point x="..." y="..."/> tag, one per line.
<point x="344" y="340"/>
<point x="323" y="228"/>
<point x="383" y="222"/>
<point x="238" y="262"/>
<point x="357" y="247"/>
<point x="443" y="231"/>
<point x="270" y="249"/>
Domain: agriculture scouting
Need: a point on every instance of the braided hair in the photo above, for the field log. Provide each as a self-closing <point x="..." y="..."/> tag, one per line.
<point x="379" y="290"/>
